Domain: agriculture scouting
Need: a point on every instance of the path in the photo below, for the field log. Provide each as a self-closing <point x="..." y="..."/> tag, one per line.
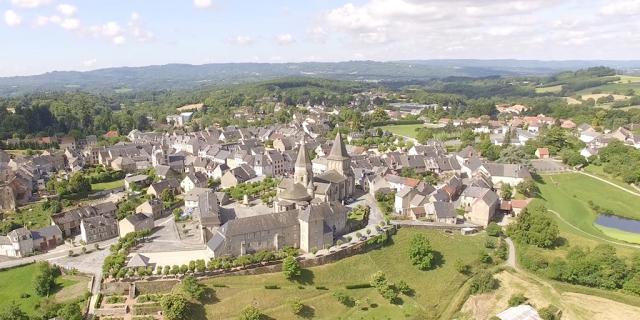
<point x="511" y="259"/>
<point x="592" y="235"/>
<point x="609" y="182"/>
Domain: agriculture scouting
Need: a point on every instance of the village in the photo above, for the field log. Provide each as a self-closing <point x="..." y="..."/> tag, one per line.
<point x="229" y="191"/>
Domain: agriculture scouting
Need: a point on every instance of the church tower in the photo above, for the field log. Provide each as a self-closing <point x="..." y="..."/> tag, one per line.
<point x="338" y="159"/>
<point x="303" y="173"/>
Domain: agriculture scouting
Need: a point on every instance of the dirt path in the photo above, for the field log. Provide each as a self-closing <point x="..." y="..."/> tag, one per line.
<point x="511" y="259"/>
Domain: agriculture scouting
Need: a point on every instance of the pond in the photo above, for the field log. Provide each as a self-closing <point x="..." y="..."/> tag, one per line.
<point x="620" y="223"/>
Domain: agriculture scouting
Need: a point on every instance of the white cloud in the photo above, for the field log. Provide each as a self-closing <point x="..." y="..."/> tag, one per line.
<point x="118" y="40"/>
<point x="110" y="29"/>
<point x="67" y="9"/>
<point x="89" y="62"/>
<point x="137" y="29"/>
<point x="202" y="3"/>
<point x="12" y="19"/>
<point x="30" y="3"/>
<point x="70" y="24"/>
<point x="242" y="40"/>
<point x="621" y="8"/>
<point x="285" y="39"/>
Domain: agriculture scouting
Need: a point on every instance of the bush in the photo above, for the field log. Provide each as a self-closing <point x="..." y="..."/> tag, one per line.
<point x="483" y="282"/>
<point x="175" y="307"/>
<point x="517" y="299"/>
<point x="291" y="267"/>
<point x="485" y="257"/>
<point x="344" y="299"/>
<point x="271" y="286"/>
<point x="551" y="312"/>
<point x="250" y="313"/>
<point x="404" y="288"/>
<point x="462" y="267"/>
<point x="296" y="306"/>
<point x="494" y="230"/>
<point x="358" y="286"/>
<point x="490" y="244"/>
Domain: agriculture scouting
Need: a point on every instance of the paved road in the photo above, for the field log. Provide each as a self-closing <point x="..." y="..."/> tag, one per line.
<point x="511" y="258"/>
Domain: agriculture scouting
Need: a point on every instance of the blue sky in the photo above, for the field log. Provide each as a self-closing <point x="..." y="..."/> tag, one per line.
<point x="45" y="35"/>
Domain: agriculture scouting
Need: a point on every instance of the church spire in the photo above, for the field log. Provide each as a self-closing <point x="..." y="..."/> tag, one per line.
<point x="303" y="173"/>
<point x="338" y="150"/>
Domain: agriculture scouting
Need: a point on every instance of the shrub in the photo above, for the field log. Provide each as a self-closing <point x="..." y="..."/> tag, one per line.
<point x="517" y="299"/>
<point x="271" y="286"/>
<point x="321" y="288"/>
<point x="344" y="299"/>
<point x="551" y="312"/>
<point x="494" y="230"/>
<point x="485" y="257"/>
<point x="489" y="244"/>
<point x="404" y="288"/>
<point x="462" y="267"/>
<point x="291" y="267"/>
<point x="175" y="307"/>
<point x="483" y="282"/>
<point x="192" y="287"/>
<point x="250" y="313"/>
<point x="296" y="306"/>
<point x="358" y="286"/>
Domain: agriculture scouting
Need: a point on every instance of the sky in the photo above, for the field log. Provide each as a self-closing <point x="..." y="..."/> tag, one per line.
<point x="38" y="36"/>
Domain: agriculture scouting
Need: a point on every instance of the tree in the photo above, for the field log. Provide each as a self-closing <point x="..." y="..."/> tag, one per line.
<point x="291" y="267"/>
<point x="506" y="192"/>
<point x="44" y="280"/>
<point x="420" y="252"/>
<point x="192" y="287"/>
<point x="527" y="187"/>
<point x="167" y="196"/>
<point x="13" y="312"/>
<point x="633" y="285"/>
<point x="70" y="311"/>
<point x="79" y="184"/>
<point x="175" y="307"/>
<point x="534" y="227"/>
<point x="250" y="313"/>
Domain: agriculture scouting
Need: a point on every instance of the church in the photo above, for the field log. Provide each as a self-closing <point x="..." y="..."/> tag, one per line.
<point x="308" y="213"/>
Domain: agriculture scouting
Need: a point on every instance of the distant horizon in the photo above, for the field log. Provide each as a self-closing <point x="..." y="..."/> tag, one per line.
<point x="327" y="62"/>
<point x="46" y="35"/>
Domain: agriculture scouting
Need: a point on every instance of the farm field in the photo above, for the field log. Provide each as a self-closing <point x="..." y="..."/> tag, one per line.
<point x="628" y="79"/>
<point x="107" y="185"/>
<point x="432" y="292"/>
<point x="569" y="194"/>
<point x="407" y="130"/>
<point x="18" y="281"/>
<point x="611" y="87"/>
<point x="552" y="89"/>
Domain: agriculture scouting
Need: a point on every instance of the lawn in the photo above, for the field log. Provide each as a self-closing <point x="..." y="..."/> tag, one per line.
<point x="598" y="171"/>
<point x="552" y="89"/>
<point x="407" y="130"/>
<point x="434" y="289"/>
<point x="107" y="185"/>
<point x="17" y="281"/>
<point x="569" y="194"/>
<point x="33" y="216"/>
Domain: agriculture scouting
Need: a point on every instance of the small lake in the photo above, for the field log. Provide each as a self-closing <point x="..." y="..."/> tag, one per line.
<point x="620" y="223"/>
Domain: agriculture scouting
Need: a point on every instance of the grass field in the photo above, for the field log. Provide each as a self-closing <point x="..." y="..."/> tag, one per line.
<point x="611" y="88"/>
<point x="17" y="281"/>
<point x="569" y="194"/>
<point x="433" y="289"/>
<point x="628" y="79"/>
<point x="552" y="89"/>
<point x="107" y="185"/>
<point x="598" y="171"/>
<point x="407" y="130"/>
